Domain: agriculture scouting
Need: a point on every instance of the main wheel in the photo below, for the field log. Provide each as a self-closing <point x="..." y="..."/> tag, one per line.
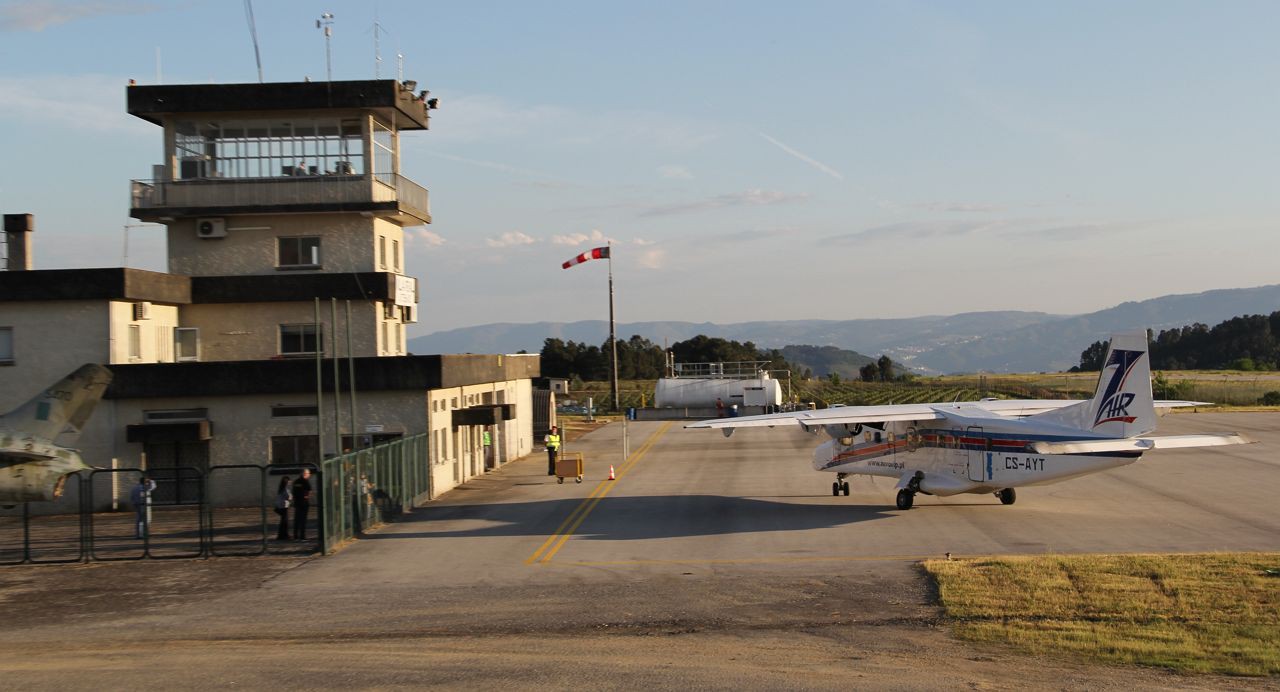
<point x="835" y="488"/>
<point x="906" y="498"/>
<point x="560" y="480"/>
<point x="1007" y="496"/>
<point x="844" y="488"/>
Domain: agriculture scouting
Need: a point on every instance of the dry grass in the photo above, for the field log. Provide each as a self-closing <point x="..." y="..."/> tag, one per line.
<point x="1214" y="613"/>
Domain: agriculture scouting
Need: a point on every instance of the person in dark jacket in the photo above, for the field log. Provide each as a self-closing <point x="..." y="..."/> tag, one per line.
<point x="284" y="498"/>
<point x="301" y="504"/>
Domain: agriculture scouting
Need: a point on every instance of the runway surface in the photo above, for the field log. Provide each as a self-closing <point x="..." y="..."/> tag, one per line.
<point x="709" y="563"/>
<point x="694" y="500"/>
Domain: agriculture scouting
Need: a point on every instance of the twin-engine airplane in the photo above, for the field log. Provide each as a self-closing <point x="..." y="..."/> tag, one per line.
<point x="994" y="446"/>
<point x="33" y="467"/>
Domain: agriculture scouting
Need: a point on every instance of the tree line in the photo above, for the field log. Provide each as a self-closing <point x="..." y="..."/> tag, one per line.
<point x="641" y="359"/>
<point x="1248" y="342"/>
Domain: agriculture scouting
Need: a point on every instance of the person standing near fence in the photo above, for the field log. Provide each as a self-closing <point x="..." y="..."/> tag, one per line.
<point x="553" y="447"/>
<point x="301" y="503"/>
<point x="284" y="498"/>
<point x="140" y="497"/>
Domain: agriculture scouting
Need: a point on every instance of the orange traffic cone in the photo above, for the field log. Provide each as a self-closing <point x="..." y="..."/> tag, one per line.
<point x="611" y="476"/>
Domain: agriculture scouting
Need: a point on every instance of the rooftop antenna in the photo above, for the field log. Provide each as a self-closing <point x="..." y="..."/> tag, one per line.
<point x="399" y="63"/>
<point x="326" y="22"/>
<point x="253" y="34"/>
<point x="377" y="48"/>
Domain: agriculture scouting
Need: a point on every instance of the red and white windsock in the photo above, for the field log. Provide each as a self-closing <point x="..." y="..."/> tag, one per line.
<point x="598" y="253"/>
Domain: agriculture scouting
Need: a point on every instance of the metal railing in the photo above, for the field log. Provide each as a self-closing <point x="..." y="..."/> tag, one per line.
<point x="743" y="370"/>
<point x="365" y="488"/>
<point x="278" y="191"/>
<point x="234" y="515"/>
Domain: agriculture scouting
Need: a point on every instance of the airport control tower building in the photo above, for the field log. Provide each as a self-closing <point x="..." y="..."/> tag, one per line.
<point x="278" y="193"/>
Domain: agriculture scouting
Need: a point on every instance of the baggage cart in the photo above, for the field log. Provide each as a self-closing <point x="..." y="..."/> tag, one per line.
<point x="569" y="465"/>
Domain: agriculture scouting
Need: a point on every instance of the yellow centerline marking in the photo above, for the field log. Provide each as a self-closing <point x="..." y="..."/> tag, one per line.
<point x="756" y="560"/>
<point x="571" y="523"/>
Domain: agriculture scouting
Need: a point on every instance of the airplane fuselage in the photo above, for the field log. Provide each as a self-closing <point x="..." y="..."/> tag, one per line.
<point x="962" y="459"/>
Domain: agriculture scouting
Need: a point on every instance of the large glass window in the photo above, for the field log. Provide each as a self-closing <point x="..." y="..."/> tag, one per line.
<point x="187" y="343"/>
<point x="269" y="148"/>
<point x="6" y="345"/>
<point x="299" y="339"/>
<point x="298" y="253"/>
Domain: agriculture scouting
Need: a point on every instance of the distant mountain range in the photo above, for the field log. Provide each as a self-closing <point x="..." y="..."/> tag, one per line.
<point x="1006" y="341"/>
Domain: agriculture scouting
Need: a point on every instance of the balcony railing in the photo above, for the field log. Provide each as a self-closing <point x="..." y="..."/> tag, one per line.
<point x="303" y="191"/>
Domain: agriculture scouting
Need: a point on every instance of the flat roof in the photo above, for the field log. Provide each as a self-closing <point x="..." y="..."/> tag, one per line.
<point x="124" y="284"/>
<point x="387" y="96"/>
<point x="298" y="376"/>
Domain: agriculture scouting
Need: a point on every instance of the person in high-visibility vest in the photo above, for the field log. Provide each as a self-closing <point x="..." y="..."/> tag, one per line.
<point x="553" y="447"/>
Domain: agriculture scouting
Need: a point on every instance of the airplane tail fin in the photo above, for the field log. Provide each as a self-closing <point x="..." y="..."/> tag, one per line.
<point x="1122" y="406"/>
<point x="62" y="407"/>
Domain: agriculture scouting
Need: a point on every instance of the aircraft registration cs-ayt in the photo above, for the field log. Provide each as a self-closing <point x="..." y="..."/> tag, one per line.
<point x="32" y="466"/>
<point x="994" y="446"/>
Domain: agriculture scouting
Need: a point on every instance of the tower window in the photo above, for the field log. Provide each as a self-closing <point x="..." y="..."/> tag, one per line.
<point x="298" y="253"/>
<point x="299" y="339"/>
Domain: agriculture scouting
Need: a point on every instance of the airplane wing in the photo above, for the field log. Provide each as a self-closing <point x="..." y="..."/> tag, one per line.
<point x="850" y="415"/>
<point x="1140" y="444"/>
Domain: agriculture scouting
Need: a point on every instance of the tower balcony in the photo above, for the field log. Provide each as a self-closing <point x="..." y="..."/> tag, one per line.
<point x="387" y="194"/>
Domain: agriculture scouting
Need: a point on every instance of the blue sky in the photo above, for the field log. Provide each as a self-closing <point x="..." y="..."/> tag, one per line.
<point x="748" y="160"/>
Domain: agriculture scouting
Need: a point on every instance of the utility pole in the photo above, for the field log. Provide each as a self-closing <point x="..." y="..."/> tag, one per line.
<point x="613" y="337"/>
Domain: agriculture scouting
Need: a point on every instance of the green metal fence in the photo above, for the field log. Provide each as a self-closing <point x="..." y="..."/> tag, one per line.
<point x="362" y="489"/>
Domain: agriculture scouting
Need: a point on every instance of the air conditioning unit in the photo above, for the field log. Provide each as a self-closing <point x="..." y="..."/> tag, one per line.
<point x="211" y="228"/>
<point x="141" y="311"/>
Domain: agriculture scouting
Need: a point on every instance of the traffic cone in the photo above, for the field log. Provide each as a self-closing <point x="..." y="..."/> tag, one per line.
<point x="611" y="476"/>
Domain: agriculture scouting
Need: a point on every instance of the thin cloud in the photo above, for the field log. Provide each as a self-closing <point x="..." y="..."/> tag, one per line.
<point x="38" y="15"/>
<point x="426" y="237"/>
<point x="753" y="234"/>
<point x="510" y="239"/>
<point x="749" y="198"/>
<point x="807" y="159"/>
<point x="957" y="207"/>
<point x="652" y="259"/>
<point x="915" y="230"/>
<point x="595" y="237"/>
<point x="97" y="103"/>
<point x="673" y="172"/>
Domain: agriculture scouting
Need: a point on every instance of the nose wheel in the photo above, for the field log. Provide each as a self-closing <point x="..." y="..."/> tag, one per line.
<point x="840" y="486"/>
<point x="906" y="498"/>
<point x="1007" y="496"/>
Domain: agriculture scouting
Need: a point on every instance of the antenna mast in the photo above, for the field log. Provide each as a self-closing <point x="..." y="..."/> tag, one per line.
<point x="326" y="22"/>
<point x="253" y="34"/>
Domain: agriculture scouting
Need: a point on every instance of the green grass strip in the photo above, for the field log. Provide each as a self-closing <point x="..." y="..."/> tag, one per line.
<point x="1205" y="613"/>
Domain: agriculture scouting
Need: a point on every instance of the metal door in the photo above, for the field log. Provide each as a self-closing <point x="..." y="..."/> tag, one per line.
<point x="977" y="450"/>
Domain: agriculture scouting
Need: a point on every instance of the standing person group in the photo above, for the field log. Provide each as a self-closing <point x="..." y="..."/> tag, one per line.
<point x="284" y="498"/>
<point x="301" y="504"/>
<point x="553" y="447"/>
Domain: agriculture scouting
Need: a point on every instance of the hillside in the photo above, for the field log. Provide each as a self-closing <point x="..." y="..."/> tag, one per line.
<point x="1005" y="341"/>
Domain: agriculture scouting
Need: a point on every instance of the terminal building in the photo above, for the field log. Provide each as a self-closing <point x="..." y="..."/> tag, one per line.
<point x="284" y="207"/>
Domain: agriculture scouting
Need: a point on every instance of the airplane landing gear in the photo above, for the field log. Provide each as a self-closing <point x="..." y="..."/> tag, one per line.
<point x="1007" y="496"/>
<point x="840" y="485"/>
<point x="907" y="495"/>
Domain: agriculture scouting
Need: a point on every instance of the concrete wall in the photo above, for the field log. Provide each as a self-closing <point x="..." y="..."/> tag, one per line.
<point x="348" y="243"/>
<point x="50" y="340"/>
<point x="156" y="333"/>
<point x="251" y="331"/>
<point x="458" y="454"/>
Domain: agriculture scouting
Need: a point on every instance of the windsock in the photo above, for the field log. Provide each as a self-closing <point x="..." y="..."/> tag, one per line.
<point x="598" y="253"/>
